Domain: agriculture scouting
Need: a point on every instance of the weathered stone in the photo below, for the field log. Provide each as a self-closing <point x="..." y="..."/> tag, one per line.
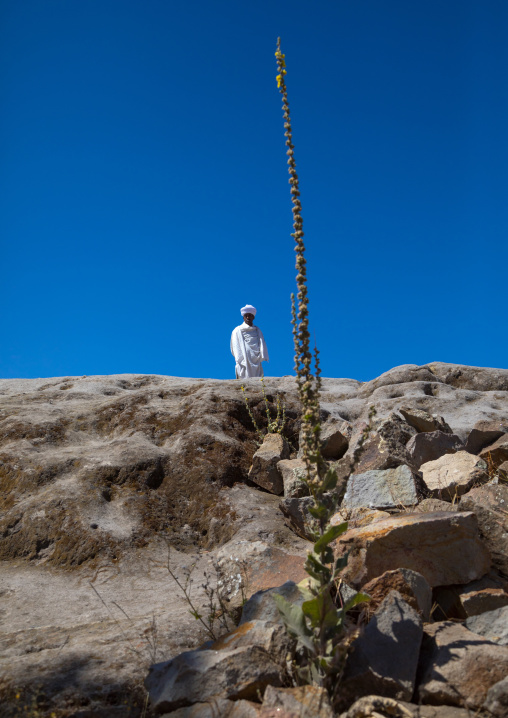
<point x="217" y="707"/>
<point x="358" y="517"/>
<point x="293" y="474"/>
<point x="484" y="433"/>
<point x="421" y="711"/>
<point x="492" y="625"/>
<point x="304" y="701"/>
<point x="497" y="699"/>
<point x="381" y="489"/>
<point x="490" y="504"/>
<point x="263" y="471"/>
<point x="411" y="585"/>
<point x="444" y="547"/>
<point x="452" y="475"/>
<point x="196" y="676"/>
<point x="458" y="667"/>
<point x="497" y="453"/>
<point x="422" y="421"/>
<point x="431" y="446"/>
<point x="431" y="506"/>
<point x="383" y="660"/>
<point x="502" y="471"/>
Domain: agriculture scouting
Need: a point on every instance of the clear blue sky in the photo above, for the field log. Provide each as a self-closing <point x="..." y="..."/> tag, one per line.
<point x="144" y="194"/>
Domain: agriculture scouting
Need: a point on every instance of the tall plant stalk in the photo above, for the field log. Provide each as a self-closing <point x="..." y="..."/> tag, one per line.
<point x="318" y="623"/>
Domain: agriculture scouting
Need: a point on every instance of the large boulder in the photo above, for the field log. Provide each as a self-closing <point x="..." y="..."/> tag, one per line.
<point x="432" y="445"/>
<point x="195" y="676"/>
<point x="490" y="505"/>
<point x="444" y="547"/>
<point x="458" y="667"/>
<point x="264" y="470"/>
<point x="384" y="659"/>
<point x="452" y="475"/>
<point x="382" y="489"/>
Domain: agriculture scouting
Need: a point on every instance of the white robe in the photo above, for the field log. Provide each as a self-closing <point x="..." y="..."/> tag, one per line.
<point x="248" y="347"/>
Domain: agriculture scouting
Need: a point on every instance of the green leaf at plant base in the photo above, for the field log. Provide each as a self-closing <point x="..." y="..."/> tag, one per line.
<point x="330" y="480"/>
<point x="330" y="535"/>
<point x="294" y="618"/>
<point x="355" y="600"/>
<point x="319" y="510"/>
<point x="321" y="611"/>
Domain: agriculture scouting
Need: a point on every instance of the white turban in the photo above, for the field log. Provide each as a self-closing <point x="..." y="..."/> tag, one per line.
<point x="248" y="309"/>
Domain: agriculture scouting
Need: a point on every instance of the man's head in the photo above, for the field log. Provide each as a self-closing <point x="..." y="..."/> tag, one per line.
<point x="248" y="313"/>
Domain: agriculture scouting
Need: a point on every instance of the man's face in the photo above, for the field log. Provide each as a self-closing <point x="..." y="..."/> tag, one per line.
<point x="248" y="319"/>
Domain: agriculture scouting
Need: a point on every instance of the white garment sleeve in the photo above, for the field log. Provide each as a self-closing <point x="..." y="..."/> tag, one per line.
<point x="263" y="347"/>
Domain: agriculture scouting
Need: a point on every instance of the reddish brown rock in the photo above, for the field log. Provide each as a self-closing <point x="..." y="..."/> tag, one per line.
<point x="263" y="471"/>
<point x="458" y="667"/>
<point x="490" y="504"/>
<point x="412" y="586"/>
<point x="444" y="547"/>
<point x="484" y="433"/>
<point x="486" y="594"/>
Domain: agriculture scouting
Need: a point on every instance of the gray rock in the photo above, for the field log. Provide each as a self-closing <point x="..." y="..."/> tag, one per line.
<point x="296" y="513"/>
<point x="196" y="676"/>
<point x="381" y="489"/>
<point x="271" y="636"/>
<point x="383" y="660"/>
<point x="476" y="378"/>
<point x="264" y="470"/>
<point x="422" y="421"/>
<point x="484" y="433"/>
<point x="490" y="504"/>
<point x="303" y="701"/>
<point x="432" y="445"/>
<point x="452" y="475"/>
<point x="497" y="699"/>
<point x="458" y="667"/>
<point x="293" y="474"/>
<point x="493" y="625"/>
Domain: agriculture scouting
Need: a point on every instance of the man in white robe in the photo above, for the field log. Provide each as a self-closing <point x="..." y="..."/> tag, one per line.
<point x="248" y="346"/>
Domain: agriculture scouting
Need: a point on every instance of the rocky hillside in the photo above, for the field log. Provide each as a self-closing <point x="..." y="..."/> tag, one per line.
<point x="108" y="482"/>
